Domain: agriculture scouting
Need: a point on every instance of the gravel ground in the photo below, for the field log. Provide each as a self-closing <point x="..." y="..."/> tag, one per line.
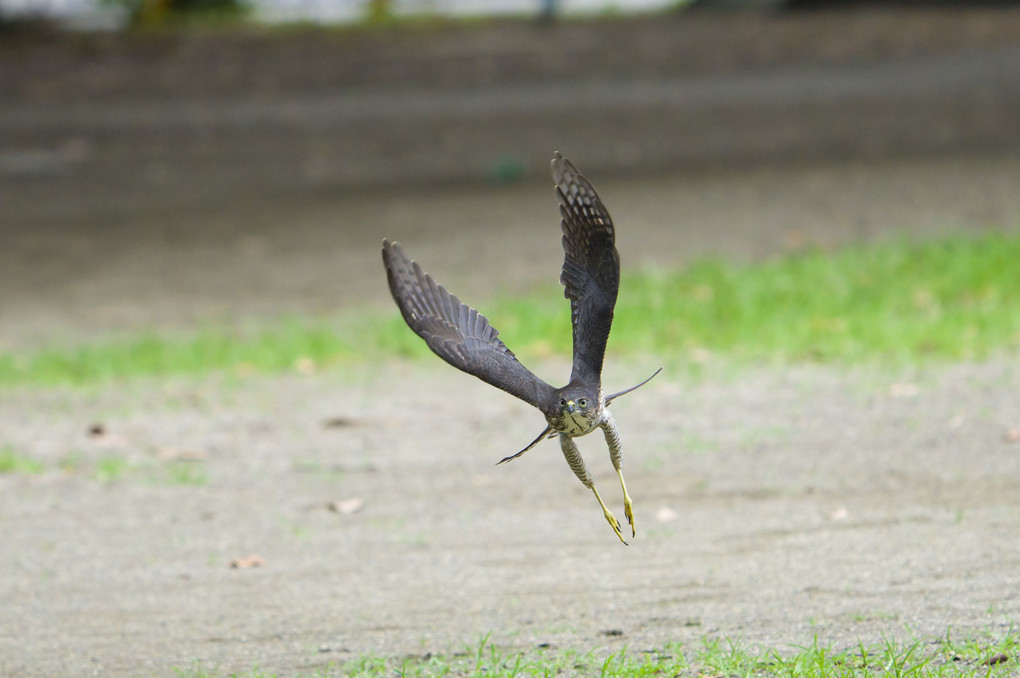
<point x="141" y="189"/>
<point x="772" y="507"/>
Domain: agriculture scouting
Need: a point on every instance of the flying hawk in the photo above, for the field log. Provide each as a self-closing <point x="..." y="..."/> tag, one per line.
<point x="463" y="337"/>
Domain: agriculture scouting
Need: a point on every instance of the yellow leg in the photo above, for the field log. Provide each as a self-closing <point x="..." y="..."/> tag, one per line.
<point x="628" y="506"/>
<point x="616" y="456"/>
<point x="610" y="518"/>
<point x="576" y="461"/>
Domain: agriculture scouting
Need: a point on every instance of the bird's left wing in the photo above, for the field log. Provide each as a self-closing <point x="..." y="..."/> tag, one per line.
<point x="457" y="333"/>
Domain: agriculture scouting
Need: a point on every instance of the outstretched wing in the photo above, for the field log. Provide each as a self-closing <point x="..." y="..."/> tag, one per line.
<point x="457" y="333"/>
<point x="591" y="268"/>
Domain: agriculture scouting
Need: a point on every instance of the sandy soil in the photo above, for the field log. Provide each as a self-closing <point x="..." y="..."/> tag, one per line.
<point x="772" y="506"/>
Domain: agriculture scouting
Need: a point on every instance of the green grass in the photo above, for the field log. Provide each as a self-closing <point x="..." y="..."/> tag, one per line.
<point x="12" y="462"/>
<point x="892" y="303"/>
<point x="186" y="473"/>
<point x="275" y="347"/>
<point x="895" y="303"/>
<point x="109" y="469"/>
<point x="942" y="658"/>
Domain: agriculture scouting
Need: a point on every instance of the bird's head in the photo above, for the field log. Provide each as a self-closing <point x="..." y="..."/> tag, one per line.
<point x="578" y="410"/>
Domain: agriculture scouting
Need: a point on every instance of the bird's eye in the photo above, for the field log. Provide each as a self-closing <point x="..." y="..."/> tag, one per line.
<point x="563" y="402"/>
<point x="583" y="402"/>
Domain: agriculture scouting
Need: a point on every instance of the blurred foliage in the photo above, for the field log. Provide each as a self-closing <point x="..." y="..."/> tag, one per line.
<point x="379" y="11"/>
<point x="157" y="13"/>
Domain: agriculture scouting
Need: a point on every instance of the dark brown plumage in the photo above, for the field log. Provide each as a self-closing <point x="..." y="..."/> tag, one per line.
<point x="457" y="333"/>
<point x="464" y="338"/>
<point x="591" y="269"/>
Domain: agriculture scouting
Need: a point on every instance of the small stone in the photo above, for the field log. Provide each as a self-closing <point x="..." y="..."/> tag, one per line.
<point x="665" y="514"/>
<point x="347" y="506"/>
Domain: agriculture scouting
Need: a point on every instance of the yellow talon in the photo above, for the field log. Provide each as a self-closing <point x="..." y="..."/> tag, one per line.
<point x="610" y="518"/>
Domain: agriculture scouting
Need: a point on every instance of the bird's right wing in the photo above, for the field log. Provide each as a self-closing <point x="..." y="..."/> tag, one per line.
<point x="457" y="333"/>
<point x="591" y="268"/>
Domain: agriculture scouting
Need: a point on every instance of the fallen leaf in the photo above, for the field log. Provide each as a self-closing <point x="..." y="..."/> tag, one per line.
<point x="304" y="365"/>
<point x="1011" y="436"/>
<point x="247" y="562"/>
<point x="180" y="454"/>
<point x="997" y="658"/>
<point x="347" y="506"/>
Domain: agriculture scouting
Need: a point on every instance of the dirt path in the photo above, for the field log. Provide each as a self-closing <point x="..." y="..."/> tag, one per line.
<point x="773" y="508"/>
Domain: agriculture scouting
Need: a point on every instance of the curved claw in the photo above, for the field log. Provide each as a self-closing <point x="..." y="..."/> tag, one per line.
<point x="628" y="509"/>
<point x="610" y="518"/>
<point x="615" y="524"/>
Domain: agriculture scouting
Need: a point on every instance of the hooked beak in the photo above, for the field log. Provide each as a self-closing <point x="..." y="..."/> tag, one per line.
<point x="570" y="409"/>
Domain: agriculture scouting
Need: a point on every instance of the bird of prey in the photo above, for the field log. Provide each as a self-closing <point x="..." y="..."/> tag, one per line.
<point x="463" y="337"/>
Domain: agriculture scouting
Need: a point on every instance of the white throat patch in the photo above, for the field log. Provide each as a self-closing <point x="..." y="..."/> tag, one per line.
<point x="576" y="424"/>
